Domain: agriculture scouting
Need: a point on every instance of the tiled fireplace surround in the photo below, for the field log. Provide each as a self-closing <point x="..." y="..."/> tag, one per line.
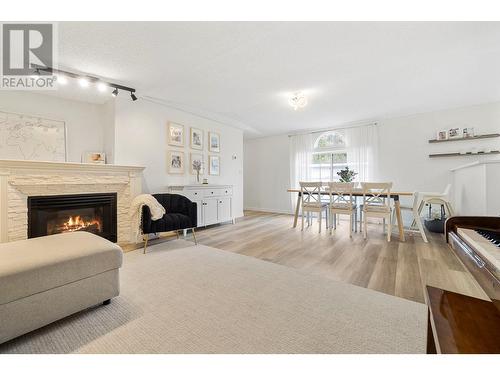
<point x="20" y="179"/>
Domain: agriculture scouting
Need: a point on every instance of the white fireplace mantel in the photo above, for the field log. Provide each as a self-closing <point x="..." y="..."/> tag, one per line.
<point x="20" y="179"/>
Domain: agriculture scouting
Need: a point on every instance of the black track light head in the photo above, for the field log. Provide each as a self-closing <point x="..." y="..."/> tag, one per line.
<point x="132" y="95"/>
<point x="115" y="92"/>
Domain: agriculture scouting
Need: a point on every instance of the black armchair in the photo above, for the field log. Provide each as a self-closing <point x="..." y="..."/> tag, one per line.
<point x="181" y="213"/>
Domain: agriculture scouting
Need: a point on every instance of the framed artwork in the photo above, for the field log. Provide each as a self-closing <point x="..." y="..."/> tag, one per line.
<point x="175" y="134"/>
<point x="196" y="161"/>
<point x="454" y="133"/>
<point x="196" y="137"/>
<point x="213" y="142"/>
<point x="94" y="157"/>
<point x="175" y="162"/>
<point x="442" y="135"/>
<point x="214" y="165"/>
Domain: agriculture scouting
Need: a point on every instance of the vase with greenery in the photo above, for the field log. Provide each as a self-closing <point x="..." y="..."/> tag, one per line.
<point x="197" y="168"/>
<point x="346" y="175"/>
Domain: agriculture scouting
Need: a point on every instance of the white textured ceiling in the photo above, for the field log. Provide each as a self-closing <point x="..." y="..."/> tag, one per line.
<point x="241" y="73"/>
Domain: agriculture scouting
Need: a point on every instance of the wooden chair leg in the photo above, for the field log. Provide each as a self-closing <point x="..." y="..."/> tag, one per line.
<point x="302" y="228"/>
<point x="365" y="227"/>
<point x="194" y="237"/>
<point x="145" y="238"/>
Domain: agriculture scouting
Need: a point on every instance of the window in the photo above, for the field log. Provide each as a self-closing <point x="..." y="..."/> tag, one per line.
<point x="329" y="156"/>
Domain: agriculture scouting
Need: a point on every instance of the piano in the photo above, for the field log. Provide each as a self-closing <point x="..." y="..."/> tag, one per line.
<point x="459" y="323"/>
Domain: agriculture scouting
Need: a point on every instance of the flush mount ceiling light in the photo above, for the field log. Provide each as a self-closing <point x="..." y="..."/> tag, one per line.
<point x="84" y="80"/>
<point x="298" y="100"/>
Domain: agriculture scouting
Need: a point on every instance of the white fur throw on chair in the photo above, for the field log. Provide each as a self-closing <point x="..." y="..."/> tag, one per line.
<point x="157" y="212"/>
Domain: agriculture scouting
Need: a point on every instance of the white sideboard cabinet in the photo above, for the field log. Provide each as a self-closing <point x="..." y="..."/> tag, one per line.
<point x="214" y="202"/>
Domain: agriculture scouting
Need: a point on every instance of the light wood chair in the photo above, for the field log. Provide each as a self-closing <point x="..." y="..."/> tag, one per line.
<point x="310" y="193"/>
<point x="417" y="220"/>
<point x="342" y="202"/>
<point x="377" y="203"/>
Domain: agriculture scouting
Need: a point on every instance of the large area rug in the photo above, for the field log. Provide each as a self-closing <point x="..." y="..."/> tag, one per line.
<point x="181" y="298"/>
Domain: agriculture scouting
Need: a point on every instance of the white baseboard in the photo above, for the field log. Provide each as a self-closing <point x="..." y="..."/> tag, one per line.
<point x="269" y="210"/>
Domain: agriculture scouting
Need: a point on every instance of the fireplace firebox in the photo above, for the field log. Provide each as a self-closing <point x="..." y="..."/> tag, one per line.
<point x="95" y="213"/>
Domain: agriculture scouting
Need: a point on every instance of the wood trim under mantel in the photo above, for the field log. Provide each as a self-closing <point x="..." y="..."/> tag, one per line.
<point x="67" y="166"/>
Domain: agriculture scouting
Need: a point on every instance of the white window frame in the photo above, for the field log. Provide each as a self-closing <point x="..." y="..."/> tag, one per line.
<point x="329" y="150"/>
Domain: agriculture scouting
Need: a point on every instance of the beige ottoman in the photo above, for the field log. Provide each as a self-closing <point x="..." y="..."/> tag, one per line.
<point x="48" y="278"/>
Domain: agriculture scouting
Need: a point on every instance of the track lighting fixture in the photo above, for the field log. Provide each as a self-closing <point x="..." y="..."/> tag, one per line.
<point x="83" y="80"/>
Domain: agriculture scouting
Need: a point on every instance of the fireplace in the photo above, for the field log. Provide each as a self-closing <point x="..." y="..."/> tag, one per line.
<point x="94" y="213"/>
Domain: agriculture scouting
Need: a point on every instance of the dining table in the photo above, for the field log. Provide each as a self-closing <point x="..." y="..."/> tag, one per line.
<point x="358" y="192"/>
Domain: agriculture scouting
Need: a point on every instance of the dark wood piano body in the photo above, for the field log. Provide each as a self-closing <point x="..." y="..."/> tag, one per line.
<point x="463" y="324"/>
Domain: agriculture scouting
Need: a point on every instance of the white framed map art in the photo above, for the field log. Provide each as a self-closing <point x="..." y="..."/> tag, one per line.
<point x="27" y="137"/>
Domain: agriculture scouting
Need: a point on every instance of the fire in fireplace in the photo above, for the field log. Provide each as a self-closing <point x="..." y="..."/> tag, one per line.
<point x="95" y="213"/>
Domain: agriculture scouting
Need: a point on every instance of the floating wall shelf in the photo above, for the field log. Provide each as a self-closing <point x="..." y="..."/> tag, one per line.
<point x="464" y="154"/>
<point x="494" y="135"/>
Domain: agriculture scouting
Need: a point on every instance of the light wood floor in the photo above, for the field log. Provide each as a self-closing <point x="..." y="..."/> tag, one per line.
<point x="398" y="268"/>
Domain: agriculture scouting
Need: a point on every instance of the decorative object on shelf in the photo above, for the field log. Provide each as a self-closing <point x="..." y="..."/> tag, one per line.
<point x="94" y="157"/>
<point x="482" y="136"/>
<point x="25" y="137"/>
<point x="175" y="134"/>
<point x="214" y="166"/>
<point x="196" y="165"/>
<point x="205" y="181"/>
<point x="454" y="133"/>
<point x="442" y="135"/>
<point x="468" y="132"/>
<point x="196" y="139"/>
<point x="213" y="142"/>
<point x="346" y="175"/>
<point x="175" y="162"/>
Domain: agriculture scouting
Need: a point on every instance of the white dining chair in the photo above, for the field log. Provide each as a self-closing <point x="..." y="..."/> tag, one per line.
<point x="342" y="202"/>
<point x="442" y="199"/>
<point x="416" y="218"/>
<point x="377" y="203"/>
<point x="311" y="201"/>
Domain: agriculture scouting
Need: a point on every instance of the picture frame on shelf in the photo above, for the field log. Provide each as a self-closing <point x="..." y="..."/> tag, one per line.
<point x="175" y="134"/>
<point x="454" y="133"/>
<point x="196" y="157"/>
<point x="175" y="162"/>
<point x="94" y="157"/>
<point x="442" y="135"/>
<point x="468" y="132"/>
<point x="196" y="139"/>
<point x="213" y="142"/>
<point x="214" y="165"/>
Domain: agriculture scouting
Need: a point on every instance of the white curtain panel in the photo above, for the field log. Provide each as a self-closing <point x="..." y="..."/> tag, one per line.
<point x="362" y="151"/>
<point x="300" y="160"/>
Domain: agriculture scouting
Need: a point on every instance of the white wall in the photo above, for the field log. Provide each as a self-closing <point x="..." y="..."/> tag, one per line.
<point x="84" y="121"/>
<point x="141" y="139"/>
<point x="403" y="154"/>
<point x="267" y="174"/>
